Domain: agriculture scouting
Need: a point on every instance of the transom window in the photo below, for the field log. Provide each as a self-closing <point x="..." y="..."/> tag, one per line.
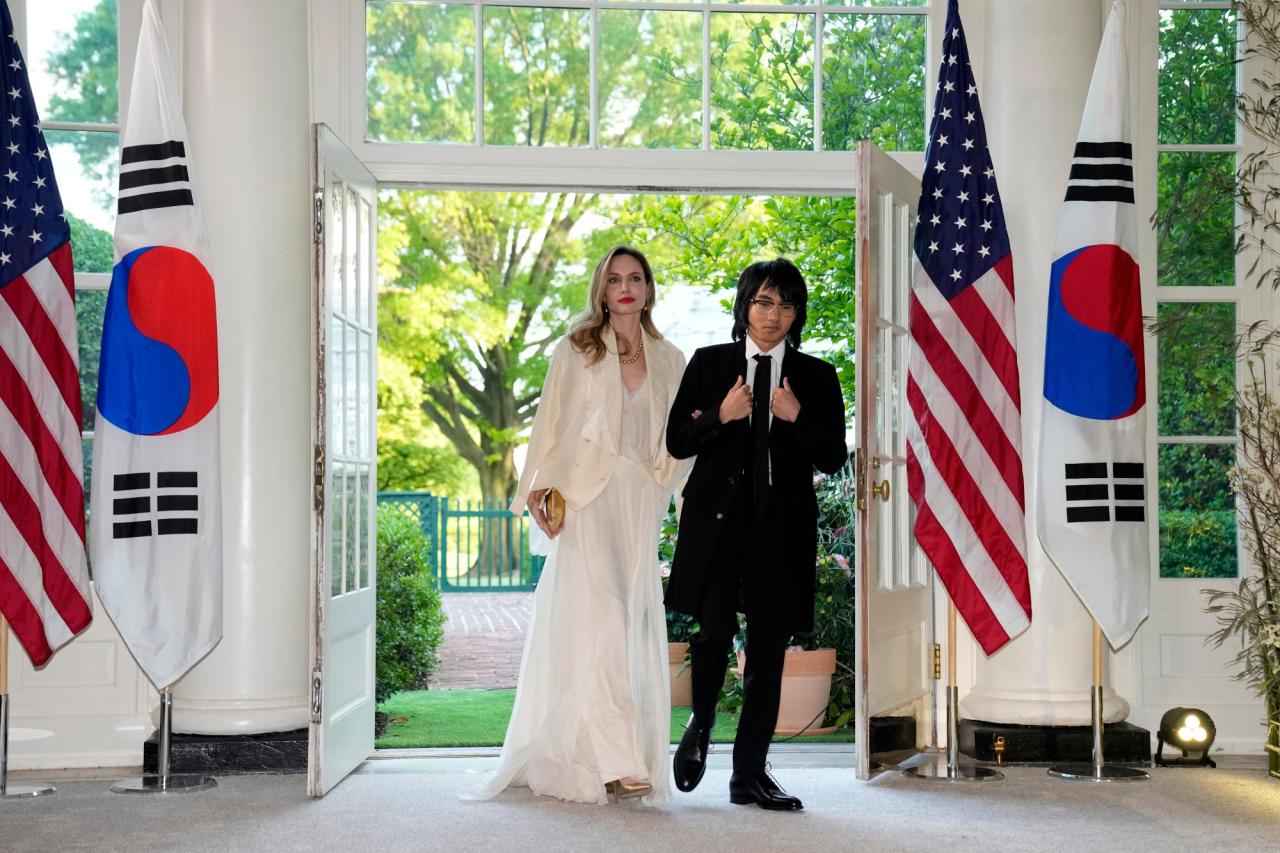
<point x="675" y="74"/>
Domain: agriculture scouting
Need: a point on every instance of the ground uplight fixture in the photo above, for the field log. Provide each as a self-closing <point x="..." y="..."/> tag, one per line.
<point x="1190" y="730"/>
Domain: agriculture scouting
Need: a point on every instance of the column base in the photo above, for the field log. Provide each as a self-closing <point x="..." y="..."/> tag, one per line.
<point x="1122" y="743"/>
<point x="1042" y="709"/>
<point x="237" y="716"/>
<point x="221" y="755"/>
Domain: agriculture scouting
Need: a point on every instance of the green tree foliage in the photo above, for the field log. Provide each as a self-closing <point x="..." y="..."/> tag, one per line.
<point x="1195" y="225"/>
<point x="86" y="64"/>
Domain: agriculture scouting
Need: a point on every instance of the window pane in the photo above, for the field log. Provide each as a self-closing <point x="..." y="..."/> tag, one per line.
<point x="650" y="87"/>
<point x="1197" y="76"/>
<point x="86" y="164"/>
<point x="86" y="451"/>
<point x="72" y="58"/>
<point x="761" y="81"/>
<point x="90" y="307"/>
<point x="421" y="72"/>
<point x="1197" y="511"/>
<point x="1195" y="221"/>
<point x="873" y="72"/>
<point x="902" y="3"/>
<point x="537" y="84"/>
<point x="1197" y="368"/>
<point x="337" y="514"/>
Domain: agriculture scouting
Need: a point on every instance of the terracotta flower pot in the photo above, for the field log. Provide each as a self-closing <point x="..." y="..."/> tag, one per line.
<point x="681" y="675"/>
<point x="806" y="689"/>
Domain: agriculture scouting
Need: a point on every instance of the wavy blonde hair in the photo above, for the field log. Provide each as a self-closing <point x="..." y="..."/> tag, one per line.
<point x="586" y="331"/>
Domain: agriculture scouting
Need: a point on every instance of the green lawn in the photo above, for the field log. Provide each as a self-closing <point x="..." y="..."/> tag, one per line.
<point x="479" y="718"/>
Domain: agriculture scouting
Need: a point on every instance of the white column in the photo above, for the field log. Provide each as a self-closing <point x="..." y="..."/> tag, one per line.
<point x="246" y="98"/>
<point x="1037" y="62"/>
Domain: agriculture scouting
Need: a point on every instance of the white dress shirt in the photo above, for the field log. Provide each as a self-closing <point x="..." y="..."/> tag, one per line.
<point x="775" y="366"/>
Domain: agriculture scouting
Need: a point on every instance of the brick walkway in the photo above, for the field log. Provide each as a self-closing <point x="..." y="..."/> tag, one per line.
<point x="483" y="640"/>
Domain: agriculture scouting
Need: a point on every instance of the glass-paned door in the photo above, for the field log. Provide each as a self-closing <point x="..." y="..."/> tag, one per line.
<point x="344" y="335"/>
<point x="894" y="591"/>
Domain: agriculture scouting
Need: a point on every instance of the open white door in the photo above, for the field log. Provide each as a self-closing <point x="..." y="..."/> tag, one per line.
<point x="343" y="418"/>
<point x="894" y="618"/>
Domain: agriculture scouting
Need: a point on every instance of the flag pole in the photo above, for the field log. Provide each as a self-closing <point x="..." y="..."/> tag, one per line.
<point x="1098" y="770"/>
<point x="163" y="781"/>
<point x="8" y="791"/>
<point x="953" y="770"/>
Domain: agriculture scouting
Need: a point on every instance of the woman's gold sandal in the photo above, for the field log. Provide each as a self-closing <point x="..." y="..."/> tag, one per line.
<point x="627" y="789"/>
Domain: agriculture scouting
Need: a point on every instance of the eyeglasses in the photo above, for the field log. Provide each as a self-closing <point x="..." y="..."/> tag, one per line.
<point x="766" y="306"/>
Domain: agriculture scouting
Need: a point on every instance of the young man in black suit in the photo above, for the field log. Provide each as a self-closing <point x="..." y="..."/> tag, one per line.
<point x="760" y="416"/>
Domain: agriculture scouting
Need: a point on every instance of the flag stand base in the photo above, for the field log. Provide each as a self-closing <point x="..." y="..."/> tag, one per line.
<point x="952" y="770"/>
<point x="165" y="782"/>
<point x="1098" y="770"/>
<point x="1105" y="773"/>
<point x="942" y="771"/>
<point x="179" y="783"/>
<point x="10" y="791"/>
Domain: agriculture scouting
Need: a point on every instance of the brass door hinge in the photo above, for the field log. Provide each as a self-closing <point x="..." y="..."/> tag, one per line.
<point x="937" y="661"/>
<point x="317" y="692"/>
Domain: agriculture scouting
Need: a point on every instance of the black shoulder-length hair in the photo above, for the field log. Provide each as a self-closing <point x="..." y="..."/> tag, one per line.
<point x="781" y="275"/>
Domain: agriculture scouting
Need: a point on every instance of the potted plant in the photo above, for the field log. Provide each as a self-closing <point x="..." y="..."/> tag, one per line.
<point x="1250" y="613"/>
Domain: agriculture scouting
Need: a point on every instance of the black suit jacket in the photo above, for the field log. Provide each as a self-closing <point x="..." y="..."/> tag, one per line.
<point x="815" y="440"/>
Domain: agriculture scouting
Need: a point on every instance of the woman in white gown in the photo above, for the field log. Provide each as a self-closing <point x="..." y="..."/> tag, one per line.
<point x="592" y="711"/>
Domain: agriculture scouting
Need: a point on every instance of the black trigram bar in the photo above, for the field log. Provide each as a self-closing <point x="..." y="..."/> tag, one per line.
<point x="177" y="503"/>
<point x="1130" y="513"/>
<point x="1086" y="470"/>
<point x="1088" y="513"/>
<point x="1091" y="492"/>
<point x="1079" y="172"/>
<point x="1116" y="150"/>
<point x="130" y="529"/>
<point x="176" y="525"/>
<point x="1127" y="470"/>
<point x="1086" y="192"/>
<point x="129" y="482"/>
<point x="130" y="506"/>
<point x="176" y="479"/>
<point x="157" y="151"/>
<point x="1129" y="491"/>
<point x="151" y="201"/>
<point x="148" y="177"/>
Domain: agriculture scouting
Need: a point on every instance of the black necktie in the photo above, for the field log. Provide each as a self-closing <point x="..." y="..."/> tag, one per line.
<point x="761" y="390"/>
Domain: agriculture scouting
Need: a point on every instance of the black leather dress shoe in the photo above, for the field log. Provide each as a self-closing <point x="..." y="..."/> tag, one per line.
<point x="762" y="790"/>
<point x="690" y="761"/>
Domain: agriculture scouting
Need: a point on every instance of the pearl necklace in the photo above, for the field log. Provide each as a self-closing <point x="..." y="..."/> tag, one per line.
<point x="639" y="351"/>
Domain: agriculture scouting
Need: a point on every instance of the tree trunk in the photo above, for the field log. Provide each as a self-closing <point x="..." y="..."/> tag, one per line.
<point x="500" y="556"/>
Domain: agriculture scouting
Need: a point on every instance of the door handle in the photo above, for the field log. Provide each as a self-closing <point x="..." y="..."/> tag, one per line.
<point x="881" y="491"/>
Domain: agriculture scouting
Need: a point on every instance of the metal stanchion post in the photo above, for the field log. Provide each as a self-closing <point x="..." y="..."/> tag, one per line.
<point x="7" y="789"/>
<point x="953" y="770"/>
<point x="1098" y="770"/>
<point x="164" y="782"/>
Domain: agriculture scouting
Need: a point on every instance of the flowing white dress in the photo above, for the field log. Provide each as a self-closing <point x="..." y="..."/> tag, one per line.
<point x="593" y="699"/>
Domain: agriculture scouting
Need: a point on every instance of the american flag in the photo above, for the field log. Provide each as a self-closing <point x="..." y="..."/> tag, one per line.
<point x="964" y="456"/>
<point x="44" y="578"/>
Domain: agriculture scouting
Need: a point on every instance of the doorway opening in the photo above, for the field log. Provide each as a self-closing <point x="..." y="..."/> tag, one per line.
<point x="475" y="288"/>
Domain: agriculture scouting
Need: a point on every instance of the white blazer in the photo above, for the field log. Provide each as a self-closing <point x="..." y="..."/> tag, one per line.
<point x="574" y="445"/>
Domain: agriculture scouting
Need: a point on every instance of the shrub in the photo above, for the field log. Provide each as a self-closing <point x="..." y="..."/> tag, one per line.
<point x="1198" y="543"/>
<point x="833" y="602"/>
<point x="410" y="614"/>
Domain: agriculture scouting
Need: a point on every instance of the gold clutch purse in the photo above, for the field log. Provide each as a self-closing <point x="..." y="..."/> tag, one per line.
<point x="553" y="508"/>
